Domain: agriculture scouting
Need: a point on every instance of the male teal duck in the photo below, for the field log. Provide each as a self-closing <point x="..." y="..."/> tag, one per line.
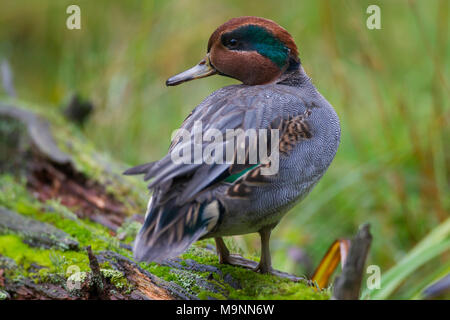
<point x="199" y="199"/>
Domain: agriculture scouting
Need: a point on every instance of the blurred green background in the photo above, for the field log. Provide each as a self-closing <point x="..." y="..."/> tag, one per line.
<point x="390" y="88"/>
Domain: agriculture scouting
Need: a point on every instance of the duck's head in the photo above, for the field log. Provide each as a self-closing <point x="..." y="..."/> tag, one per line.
<point x="250" y="49"/>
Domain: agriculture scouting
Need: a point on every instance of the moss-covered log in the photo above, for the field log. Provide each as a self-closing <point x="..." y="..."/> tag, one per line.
<point x="68" y="218"/>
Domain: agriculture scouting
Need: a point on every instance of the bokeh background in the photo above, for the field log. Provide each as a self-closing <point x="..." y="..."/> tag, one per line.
<point x="390" y="88"/>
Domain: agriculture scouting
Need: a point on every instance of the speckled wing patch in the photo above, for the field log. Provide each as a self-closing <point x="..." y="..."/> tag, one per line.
<point x="293" y="130"/>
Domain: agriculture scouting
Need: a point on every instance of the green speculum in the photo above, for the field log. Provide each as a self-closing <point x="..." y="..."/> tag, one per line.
<point x="232" y="178"/>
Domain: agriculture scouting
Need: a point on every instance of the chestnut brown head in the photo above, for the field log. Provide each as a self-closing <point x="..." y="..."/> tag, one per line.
<point x="250" y="49"/>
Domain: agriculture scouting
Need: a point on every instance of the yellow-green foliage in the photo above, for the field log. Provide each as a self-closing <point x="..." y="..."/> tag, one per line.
<point x="254" y="285"/>
<point x="14" y="195"/>
<point x="12" y="246"/>
<point x="116" y="277"/>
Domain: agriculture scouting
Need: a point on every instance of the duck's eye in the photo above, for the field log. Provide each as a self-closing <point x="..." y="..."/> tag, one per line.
<point x="232" y="43"/>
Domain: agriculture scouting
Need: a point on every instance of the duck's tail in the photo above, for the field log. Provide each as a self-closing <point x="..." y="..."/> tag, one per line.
<point x="169" y="230"/>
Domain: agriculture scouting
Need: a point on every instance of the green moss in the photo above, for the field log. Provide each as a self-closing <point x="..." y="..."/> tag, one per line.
<point x="116" y="277"/>
<point x="12" y="246"/>
<point x="186" y="280"/>
<point x="254" y="285"/>
<point x="105" y="265"/>
<point x="162" y="272"/>
<point x="199" y="254"/>
<point x="263" y="286"/>
<point x="207" y="295"/>
<point x="16" y="197"/>
<point x="129" y="229"/>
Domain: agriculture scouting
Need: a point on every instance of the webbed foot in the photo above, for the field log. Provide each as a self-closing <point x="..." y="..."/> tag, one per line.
<point x="264" y="266"/>
<point x="281" y="274"/>
<point x="238" y="260"/>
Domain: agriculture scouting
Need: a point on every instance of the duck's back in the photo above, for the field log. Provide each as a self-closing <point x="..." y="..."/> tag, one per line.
<point x="249" y="206"/>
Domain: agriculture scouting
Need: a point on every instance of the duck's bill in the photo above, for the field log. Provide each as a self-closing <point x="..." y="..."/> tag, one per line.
<point x="201" y="70"/>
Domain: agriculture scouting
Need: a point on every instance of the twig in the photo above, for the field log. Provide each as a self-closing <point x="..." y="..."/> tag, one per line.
<point x="348" y="285"/>
<point x="97" y="278"/>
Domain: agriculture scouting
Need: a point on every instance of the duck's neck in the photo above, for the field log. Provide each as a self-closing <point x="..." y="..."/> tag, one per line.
<point x="294" y="76"/>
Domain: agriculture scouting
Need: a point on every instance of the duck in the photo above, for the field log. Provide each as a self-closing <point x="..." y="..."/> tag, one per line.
<point x="194" y="199"/>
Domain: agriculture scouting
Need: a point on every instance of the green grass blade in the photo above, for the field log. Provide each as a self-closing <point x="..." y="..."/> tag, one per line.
<point x="437" y="242"/>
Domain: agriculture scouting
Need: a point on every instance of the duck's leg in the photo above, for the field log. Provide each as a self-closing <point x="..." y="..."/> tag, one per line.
<point x="233" y="259"/>
<point x="265" y="263"/>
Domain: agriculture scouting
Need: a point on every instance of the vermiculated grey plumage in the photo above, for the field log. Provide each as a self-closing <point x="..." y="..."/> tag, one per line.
<point x="250" y="203"/>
